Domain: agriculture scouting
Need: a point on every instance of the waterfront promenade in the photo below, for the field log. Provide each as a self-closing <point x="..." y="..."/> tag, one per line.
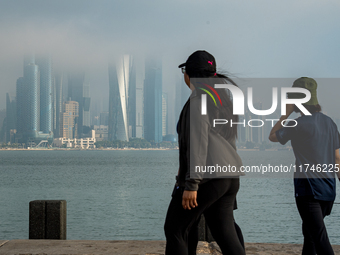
<point x="47" y="247"/>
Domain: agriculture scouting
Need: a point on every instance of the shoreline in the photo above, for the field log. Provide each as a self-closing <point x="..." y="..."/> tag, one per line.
<point x="118" y="149"/>
<point x="78" y="149"/>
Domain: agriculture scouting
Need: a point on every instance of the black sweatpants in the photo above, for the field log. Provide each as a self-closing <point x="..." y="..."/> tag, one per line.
<point x="216" y="199"/>
<point x="312" y="212"/>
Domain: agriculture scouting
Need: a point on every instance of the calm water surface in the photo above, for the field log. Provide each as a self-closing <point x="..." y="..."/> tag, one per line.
<point x="114" y="195"/>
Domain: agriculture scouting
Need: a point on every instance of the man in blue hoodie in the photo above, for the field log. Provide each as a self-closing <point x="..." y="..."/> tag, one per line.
<point x="315" y="142"/>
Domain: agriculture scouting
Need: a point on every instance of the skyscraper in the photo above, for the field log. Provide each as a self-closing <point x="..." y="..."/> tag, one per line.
<point x="21" y="105"/>
<point x="164" y="114"/>
<point x="68" y="125"/>
<point x="34" y="95"/>
<point x="104" y="118"/>
<point x="119" y="74"/>
<point x="45" y="69"/>
<point x="10" y="119"/>
<point x="58" y="103"/>
<point x="136" y="103"/>
<point x="78" y="90"/>
<point x="153" y="101"/>
<point x="86" y="105"/>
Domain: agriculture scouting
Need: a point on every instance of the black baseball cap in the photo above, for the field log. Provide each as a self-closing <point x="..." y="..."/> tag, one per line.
<point x="200" y="61"/>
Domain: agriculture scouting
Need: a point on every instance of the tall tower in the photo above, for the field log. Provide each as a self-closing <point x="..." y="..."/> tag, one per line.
<point x="136" y="103"/>
<point x="45" y="68"/>
<point x="68" y="125"/>
<point x="78" y="90"/>
<point x="153" y="101"/>
<point x="21" y="105"/>
<point x="164" y="114"/>
<point x="34" y="96"/>
<point x="10" y="119"/>
<point x="119" y="73"/>
<point x="32" y="93"/>
<point x="58" y="88"/>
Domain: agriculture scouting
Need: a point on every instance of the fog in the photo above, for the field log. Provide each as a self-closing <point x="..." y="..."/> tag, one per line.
<point x="260" y="38"/>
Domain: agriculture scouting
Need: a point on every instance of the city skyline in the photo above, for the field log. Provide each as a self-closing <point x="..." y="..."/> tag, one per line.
<point x="133" y="75"/>
<point x="50" y="104"/>
<point x="84" y="34"/>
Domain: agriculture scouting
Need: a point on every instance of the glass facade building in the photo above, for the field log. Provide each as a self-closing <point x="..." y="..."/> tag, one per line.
<point x="45" y="69"/>
<point x="10" y="119"/>
<point x="136" y="95"/>
<point x="58" y="103"/>
<point x="119" y="74"/>
<point x="34" y="97"/>
<point x="32" y="92"/>
<point x="78" y="90"/>
<point x="153" y="101"/>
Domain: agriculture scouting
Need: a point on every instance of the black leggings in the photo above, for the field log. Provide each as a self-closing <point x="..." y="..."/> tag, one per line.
<point x="312" y="212"/>
<point x="216" y="199"/>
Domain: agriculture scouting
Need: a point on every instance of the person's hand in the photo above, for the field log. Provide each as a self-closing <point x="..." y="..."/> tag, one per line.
<point x="189" y="199"/>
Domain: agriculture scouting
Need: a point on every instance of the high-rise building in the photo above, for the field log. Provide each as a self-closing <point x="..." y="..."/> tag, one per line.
<point x="119" y="74"/>
<point x="58" y="103"/>
<point x="241" y="129"/>
<point x="86" y="105"/>
<point x="21" y="105"/>
<point x="78" y="90"/>
<point x="68" y="125"/>
<point x="164" y="114"/>
<point x="34" y="96"/>
<point x="249" y="129"/>
<point x="32" y="89"/>
<point x="104" y="118"/>
<point x="45" y="69"/>
<point x="10" y="119"/>
<point x="257" y="130"/>
<point x="136" y="103"/>
<point x="153" y="101"/>
<point x="2" y="125"/>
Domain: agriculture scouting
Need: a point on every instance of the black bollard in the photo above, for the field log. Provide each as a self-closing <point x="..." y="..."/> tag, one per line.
<point x="47" y="219"/>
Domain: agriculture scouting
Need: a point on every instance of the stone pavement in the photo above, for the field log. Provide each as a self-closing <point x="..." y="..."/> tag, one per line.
<point x="53" y="247"/>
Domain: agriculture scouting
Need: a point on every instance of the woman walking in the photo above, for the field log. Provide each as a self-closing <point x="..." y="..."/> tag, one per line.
<point x="202" y="145"/>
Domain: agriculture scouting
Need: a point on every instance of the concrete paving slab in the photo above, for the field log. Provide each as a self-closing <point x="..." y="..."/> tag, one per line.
<point x="53" y="247"/>
<point x="81" y="247"/>
<point x="124" y="247"/>
<point x="269" y="249"/>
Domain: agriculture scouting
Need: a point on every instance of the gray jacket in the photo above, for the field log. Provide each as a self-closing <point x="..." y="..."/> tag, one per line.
<point x="201" y="148"/>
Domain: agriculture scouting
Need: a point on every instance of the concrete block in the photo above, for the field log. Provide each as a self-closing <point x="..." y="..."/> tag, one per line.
<point x="56" y="219"/>
<point x="47" y="219"/>
<point x="37" y="219"/>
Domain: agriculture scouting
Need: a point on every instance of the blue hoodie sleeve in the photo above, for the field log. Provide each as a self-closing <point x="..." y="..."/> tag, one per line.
<point x="287" y="133"/>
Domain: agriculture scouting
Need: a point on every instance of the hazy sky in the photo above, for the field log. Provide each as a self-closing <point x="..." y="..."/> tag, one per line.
<point x="257" y="38"/>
